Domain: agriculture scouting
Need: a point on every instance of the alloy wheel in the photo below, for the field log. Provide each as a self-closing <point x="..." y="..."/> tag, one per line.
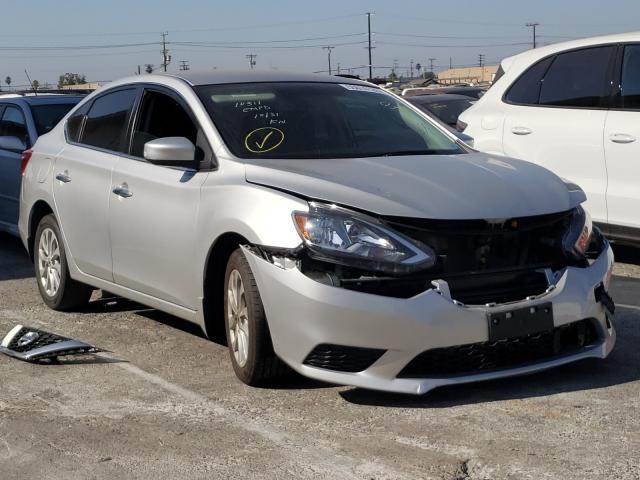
<point x="49" y="267"/>
<point x="237" y="318"/>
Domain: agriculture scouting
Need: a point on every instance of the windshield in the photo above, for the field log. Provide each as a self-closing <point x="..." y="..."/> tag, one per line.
<point x="47" y="116"/>
<point x="319" y="120"/>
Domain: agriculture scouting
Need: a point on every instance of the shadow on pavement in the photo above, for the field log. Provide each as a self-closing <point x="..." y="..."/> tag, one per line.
<point x="622" y="366"/>
<point x="14" y="261"/>
<point x="627" y="254"/>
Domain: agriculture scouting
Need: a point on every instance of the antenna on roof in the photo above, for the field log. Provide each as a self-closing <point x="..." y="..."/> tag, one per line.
<point x="31" y="83"/>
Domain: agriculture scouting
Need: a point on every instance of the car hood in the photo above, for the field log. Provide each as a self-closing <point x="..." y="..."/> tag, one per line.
<point x="452" y="187"/>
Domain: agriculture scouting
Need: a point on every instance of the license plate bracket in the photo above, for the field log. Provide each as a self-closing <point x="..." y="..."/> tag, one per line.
<point x="520" y="322"/>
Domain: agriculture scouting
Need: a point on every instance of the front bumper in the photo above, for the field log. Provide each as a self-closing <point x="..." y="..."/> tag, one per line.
<point x="303" y="314"/>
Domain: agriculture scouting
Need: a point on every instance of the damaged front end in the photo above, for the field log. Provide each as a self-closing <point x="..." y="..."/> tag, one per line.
<point x="470" y="262"/>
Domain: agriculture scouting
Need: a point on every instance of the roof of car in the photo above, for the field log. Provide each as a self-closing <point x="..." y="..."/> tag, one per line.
<point x="212" y="77"/>
<point x="438" y="97"/>
<point x="41" y="99"/>
<point x="582" y="42"/>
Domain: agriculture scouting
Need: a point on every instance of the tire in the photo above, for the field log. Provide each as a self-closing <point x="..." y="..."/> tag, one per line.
<point x="58" y="290"/>
<point x="248" y="333"/>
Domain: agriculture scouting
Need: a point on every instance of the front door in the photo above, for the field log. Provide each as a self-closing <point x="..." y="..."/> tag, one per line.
<point x="154" y="222"/>
<point x="560" y="120"/>
<point x="622" y="148"/>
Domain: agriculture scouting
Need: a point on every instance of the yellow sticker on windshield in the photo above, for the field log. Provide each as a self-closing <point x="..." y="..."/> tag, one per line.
<point x="264" y="139"/>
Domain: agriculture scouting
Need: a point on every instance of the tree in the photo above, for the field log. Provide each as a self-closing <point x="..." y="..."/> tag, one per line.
<point x="148" y="68"/>
<point x="8" y="81"/>
<point x="71" y="79"/>
<point x="35" y="84"/>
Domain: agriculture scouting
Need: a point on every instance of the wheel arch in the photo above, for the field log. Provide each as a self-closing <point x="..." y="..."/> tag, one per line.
<point x="39" y="210"/>
<point x="213" y="281"/>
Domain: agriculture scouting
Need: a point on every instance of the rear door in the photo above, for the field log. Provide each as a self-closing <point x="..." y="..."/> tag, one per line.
<point x="82" y="184"/>
<point x="153" y="225"/>
<point x="13" y="125"/>
<point x="622" y="148"/>
<point x="555" y="116"/>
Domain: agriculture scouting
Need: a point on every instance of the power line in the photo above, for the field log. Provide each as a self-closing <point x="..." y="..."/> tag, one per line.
<point x="453" y="46"/>
<point x="261" y="47"/>
<point x="451" y="37"/>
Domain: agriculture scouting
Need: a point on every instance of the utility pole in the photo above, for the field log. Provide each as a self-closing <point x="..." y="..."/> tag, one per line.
<point x="338" y="68"/>
<point x="450" y="63"/>
<point x="431" y="60"/>
<point x="533" y="25"/>
<point x="369" y="47"/>
<point x="166" y="58"/>
<point x="328" y="49"/>
<point x="184" y="65"/>
<point x="411" y="66"/>
<point x="252" y="59"/>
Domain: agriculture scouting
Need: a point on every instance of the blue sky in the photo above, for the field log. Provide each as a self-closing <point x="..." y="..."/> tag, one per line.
<point x="405" y="31"/>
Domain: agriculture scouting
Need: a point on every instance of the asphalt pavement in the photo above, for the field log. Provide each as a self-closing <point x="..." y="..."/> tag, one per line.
<point x="164" y="404"/>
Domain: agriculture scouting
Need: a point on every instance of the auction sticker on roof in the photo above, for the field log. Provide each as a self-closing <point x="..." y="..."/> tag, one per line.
<point x="361" y="88"/>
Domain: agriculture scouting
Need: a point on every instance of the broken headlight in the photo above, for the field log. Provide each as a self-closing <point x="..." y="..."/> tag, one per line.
<point x="340" y="236"/>
<point x="578" y="236"/>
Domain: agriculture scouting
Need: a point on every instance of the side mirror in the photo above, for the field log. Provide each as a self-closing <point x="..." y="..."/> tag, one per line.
<point x="13" y="144"/>
<point x="171" y="152"/>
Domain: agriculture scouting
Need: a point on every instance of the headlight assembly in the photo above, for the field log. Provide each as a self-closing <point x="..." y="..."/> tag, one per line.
<point x="340" y="236"/>
<point x="578" y="236"/>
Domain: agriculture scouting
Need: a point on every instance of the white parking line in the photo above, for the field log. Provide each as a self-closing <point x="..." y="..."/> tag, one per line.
<point x="629" y="307"/>
<point x="322" y="459"/>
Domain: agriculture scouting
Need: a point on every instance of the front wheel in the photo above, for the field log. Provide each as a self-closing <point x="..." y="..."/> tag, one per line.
<point x="250" y="348"/>
<point x="58" y="290"/>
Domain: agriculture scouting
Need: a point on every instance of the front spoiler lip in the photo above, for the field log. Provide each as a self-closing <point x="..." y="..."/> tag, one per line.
<point x="406" y="327"/>
<point x="421" y="386"/>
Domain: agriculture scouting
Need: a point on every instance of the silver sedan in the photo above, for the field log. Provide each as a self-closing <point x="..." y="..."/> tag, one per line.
<point x="320" y="224"/>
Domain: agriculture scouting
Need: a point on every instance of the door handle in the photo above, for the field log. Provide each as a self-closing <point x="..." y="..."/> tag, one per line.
<point x="63" y="177"/>
<point x="521" y="130"/>
<point x="622" y="138"/>
<point x="123" y="191"/>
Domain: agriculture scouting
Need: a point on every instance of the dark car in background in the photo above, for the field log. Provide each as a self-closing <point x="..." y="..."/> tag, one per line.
<point x="22" y="120"/>
<point x="473" y="92"/>
<point x="445" y="108"/>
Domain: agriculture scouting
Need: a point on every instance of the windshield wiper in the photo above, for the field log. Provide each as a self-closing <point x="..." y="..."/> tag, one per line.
<point x="400" y="153"/>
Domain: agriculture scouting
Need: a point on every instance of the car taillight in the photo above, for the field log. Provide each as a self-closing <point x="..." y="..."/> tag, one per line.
<point x="26" y="156"/>
<point x="461" y="126"/>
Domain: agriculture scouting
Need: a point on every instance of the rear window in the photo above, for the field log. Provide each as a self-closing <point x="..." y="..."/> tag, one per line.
<point x="447" y="110"/>
<point x="47" y="116"/>
<point x="319" y="120"/>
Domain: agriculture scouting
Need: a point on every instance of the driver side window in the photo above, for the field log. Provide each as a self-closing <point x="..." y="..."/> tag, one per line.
<point x="161" y="116"/>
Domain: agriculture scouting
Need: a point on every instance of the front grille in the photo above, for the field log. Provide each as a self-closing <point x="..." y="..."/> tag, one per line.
<point x="42" y="340"/>
<point x="503" y="354"/>
<point x="502" y="287"/>
<point x="341" y="358"/>
<point x="465" y="246"/>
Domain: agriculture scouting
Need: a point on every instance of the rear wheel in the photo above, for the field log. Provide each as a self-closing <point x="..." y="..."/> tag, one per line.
<point x="58" y="290"/>
<point x="248" y="339"/>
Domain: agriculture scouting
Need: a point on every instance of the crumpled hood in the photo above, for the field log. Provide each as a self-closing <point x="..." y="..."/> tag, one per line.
<point x="447" y="187"/>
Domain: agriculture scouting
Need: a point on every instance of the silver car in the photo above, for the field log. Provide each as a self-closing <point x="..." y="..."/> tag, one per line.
<point x="323" y="225"/>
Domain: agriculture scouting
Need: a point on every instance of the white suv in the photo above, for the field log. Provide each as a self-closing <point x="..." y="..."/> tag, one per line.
<point x="574" y="108"/>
